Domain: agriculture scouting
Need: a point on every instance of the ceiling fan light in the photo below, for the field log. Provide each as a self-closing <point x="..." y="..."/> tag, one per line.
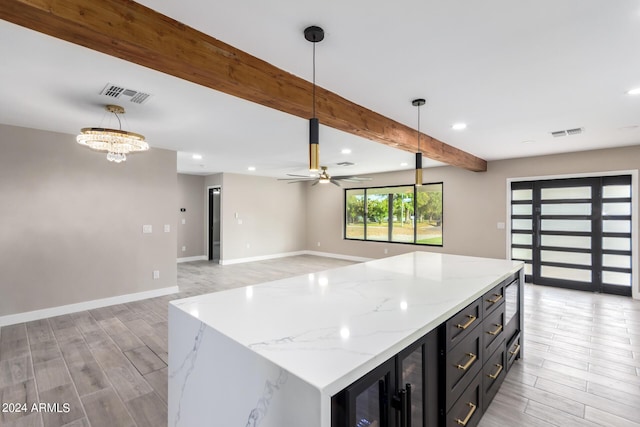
<point x="324" y="180"/>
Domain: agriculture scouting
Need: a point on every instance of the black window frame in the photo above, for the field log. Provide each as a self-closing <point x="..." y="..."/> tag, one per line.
<point x="415" y="202"/>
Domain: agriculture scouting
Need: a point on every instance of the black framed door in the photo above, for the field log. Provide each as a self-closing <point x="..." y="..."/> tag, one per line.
<point x="574" y="233"/>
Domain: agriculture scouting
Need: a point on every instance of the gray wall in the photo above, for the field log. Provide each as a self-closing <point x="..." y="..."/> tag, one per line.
<point x="271" y="216"/>
<point x="473" y="202"/>
<point x="191" y="235"/>
<point x="72" y="221"/>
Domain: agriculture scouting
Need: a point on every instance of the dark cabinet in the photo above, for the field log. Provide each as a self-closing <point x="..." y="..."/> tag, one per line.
<point x="402" y="392"/>
<point x="448" y="377"/>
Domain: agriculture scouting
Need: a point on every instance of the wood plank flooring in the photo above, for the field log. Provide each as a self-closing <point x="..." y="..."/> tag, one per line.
<point x="581" y="366"/>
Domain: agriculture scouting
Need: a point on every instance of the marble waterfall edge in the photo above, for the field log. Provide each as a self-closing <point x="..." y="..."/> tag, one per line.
<point x="214" y="381"/>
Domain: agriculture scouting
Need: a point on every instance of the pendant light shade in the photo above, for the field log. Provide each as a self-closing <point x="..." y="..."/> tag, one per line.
<point x="314" y="146"/>
<point x="418" y="103"/>
<point x="314" y="34"/>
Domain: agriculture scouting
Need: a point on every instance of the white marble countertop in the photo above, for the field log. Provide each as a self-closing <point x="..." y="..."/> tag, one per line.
<point x="331" y="328"/>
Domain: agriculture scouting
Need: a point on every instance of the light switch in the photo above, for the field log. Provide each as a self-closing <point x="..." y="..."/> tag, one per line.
<point x="167" y="228"/>
<point x="184" y="221"/>
<point x="501" y="226"/>
<point x="147" y="228"/>
<point x="156" y="274"/>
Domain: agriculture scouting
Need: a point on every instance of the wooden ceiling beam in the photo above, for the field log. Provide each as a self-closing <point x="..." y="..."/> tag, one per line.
<point x="135" y="33"/>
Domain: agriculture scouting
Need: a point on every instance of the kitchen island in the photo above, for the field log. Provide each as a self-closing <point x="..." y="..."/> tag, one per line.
<point x="275" y="354"/>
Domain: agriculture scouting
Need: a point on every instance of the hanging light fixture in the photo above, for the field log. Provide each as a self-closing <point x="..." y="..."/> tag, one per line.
<point x="116" y="142"/>
<point x="314" y="34"/>
<point x="418" y="103"/>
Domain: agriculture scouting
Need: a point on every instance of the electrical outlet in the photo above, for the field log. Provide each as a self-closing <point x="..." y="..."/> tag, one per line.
<point x="184" y="221"/>
<point x="167" y="228"/>
<point x="318" y="244"/>
<point x="184" y="248"/>
<point x="156" y="274"/>
<point x="386" y="251"/>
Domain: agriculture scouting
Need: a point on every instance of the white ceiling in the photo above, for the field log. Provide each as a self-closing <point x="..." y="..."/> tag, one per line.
<point x="513" y="71"/>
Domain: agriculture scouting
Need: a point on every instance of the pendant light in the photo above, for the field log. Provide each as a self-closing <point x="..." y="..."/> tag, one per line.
<point x="418" y="103"/>
<point x="116" y="142"/>
<point x="314" y="34"/>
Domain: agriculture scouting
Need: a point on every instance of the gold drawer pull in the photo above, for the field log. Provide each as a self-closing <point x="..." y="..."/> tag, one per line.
<point x="494" y="376"/>
<point x="497" y="298"/>
<point x="469" y="415"/>
<point x="469" y="322"/>
<point x="516" y="351"/>
<point x="497" y="331"/>
<point x="472" y="358"/>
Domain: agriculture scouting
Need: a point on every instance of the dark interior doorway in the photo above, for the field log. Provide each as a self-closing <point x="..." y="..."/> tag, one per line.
<point x="214" y="224"/>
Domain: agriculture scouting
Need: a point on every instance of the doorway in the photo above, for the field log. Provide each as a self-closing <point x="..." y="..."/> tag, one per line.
<point x="214" y="224"/>
<point x="574" y="233"/>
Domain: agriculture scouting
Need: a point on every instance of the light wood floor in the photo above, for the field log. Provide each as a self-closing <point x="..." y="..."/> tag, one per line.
<point x="581" y="366"/>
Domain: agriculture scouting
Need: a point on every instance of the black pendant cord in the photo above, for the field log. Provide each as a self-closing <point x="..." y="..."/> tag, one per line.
<point x="314" y="80"/>
<point x="419" y="129"/>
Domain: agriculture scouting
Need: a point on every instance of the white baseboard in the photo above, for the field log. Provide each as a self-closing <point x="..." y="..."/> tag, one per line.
<point x="339" y="256"/>
<point x="193" y="258"/>
<point x="288" y="254"/>
<point x="260" y="258"/>
<point x="29" y="316"/>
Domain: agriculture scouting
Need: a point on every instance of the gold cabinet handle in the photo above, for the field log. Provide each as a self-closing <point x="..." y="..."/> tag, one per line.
<point x="472" y="358"/>
<point x="516" y="351"/>
<point x="472" y="319"/>
<point x="469" y="415"/>
<point x="494" y="376"/>
<point x="497" y="330"/>
<point x="497" y="297"/>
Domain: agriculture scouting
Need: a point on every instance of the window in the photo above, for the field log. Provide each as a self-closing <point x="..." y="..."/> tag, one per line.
<point x="402" y="214"/>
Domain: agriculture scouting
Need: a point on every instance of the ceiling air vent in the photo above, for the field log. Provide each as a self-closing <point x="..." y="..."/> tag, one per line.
<point x="574" y="131"/>
<point x="119" y="92"/>
<point x="345" y="164"/>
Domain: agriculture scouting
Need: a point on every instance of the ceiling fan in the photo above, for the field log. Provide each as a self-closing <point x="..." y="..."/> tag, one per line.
<point x="323" y="178"/>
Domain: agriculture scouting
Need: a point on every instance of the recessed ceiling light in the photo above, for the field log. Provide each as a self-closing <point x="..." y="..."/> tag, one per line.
<point x="251" y="168"/>
<point x="404" y="164"/>
<point x="346" y="151"/>
<point x="459" y="126"/>
<point x="196" y="156"/>
<point x="635" y="91"/>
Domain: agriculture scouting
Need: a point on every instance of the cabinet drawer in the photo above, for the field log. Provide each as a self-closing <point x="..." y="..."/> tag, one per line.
<point x="461" y="325"/>
<point x="462" y="365"/>
<point x="513" y="350"/>
<point x="493" y="331"/>
<point x="493" y="299"/>
<point x="493" y="373"/>
<point x="467" y="410"/>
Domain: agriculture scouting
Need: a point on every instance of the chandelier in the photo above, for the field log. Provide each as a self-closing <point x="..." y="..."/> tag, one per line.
<point x="116" y="142"/>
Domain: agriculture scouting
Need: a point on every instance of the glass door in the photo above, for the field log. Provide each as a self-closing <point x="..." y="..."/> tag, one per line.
<point x="369" y="399"/>
<point x="574" y="233"/>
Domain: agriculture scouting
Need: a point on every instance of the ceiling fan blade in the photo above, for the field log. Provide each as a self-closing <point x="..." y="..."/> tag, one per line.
<point x="351" y="178"/>
<point x="300" y="176"/>
<point x="335" y="182"/>
<point x="315" y="183"/>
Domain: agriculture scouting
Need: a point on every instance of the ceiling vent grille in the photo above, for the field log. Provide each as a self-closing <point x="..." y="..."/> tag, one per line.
<point x="345" y="164"/>
<point x="119" y="92"/>
<point x="574" y="131"/>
